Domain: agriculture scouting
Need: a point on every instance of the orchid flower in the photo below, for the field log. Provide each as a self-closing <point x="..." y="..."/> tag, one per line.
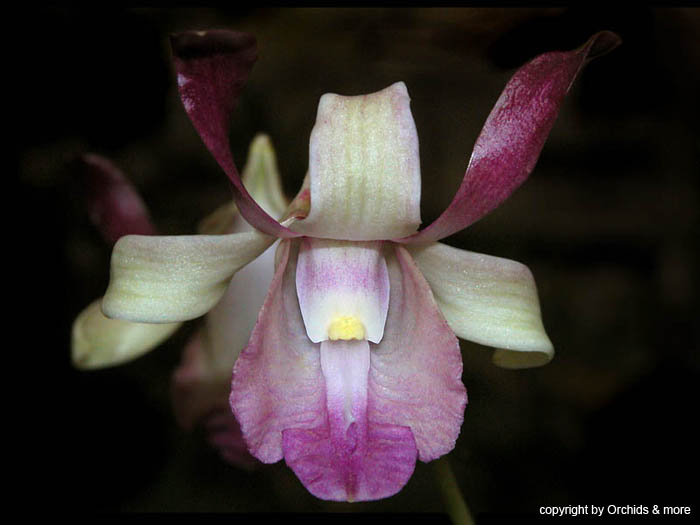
<point x="201" y="383"/>
<point x="353" y="370"/>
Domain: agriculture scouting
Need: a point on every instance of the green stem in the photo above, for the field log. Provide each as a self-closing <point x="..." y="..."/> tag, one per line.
<point x="456" y="507"/>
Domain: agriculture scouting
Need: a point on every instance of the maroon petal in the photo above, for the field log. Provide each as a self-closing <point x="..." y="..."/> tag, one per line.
<point x="114" y="205"/>
<point x="212" y="67"/>
<point x="515" y="132"/>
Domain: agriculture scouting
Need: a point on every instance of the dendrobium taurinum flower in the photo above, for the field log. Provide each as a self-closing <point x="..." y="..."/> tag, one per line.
<point x="353" y="370"/>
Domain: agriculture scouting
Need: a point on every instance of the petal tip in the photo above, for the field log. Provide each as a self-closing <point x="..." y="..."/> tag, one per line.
<point x="261" y="141"/>
<point x="601" y="43"/>
<point x="100" y="342"/>
<point x="518" y="359"/>
<point x="399" y="88"/>
<point x="113" y="203"/>
<point x="261" y="177"/>
<point x="193" y="44"/>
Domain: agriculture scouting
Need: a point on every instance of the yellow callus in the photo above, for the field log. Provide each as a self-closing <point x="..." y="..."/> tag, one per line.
<point x="346" y="328"/>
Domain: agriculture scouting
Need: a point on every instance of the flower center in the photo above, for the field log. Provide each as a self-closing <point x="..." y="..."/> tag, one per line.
<point x="346" y="328"/>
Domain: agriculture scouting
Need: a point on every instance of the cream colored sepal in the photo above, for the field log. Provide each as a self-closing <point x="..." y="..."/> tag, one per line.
<point x="99" y="342"/>
<point x="488" y="300"/>
<point x="164" y="279"/>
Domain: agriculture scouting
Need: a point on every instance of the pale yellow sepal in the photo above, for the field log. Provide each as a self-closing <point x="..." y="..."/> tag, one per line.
<point x="99" y="342"/>
<point x="262" y="180"/>
<point x="177" y="278"/>
<point x="163" y="279"/>
<point x="488" y="300"/>
<point x="364" y="168"/>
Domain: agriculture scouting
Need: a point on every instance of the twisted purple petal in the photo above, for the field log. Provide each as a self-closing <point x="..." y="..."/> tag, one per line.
<point x="212" y="67"/>
<point x="515" y="132"/>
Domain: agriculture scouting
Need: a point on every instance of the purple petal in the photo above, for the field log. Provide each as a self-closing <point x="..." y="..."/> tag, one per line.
<point x="415" y="373"/>
<point x="114" y="205"/>
<point x="212" y="67"/>
<point x="515" y="132"/>
<point x="349" y="458"/>
<point x="277" y="380"/>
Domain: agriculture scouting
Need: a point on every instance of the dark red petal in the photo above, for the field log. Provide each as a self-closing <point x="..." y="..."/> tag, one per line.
<point x="114" y="205"/>
<point x="212" y="67"/>
<point x="515" y="132"/>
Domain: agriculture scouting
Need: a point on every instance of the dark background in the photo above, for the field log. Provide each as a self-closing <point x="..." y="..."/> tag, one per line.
<point x="608" y="223"/>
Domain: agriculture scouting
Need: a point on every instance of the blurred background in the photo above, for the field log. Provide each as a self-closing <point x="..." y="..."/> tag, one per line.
<point x="608" y="224"/>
